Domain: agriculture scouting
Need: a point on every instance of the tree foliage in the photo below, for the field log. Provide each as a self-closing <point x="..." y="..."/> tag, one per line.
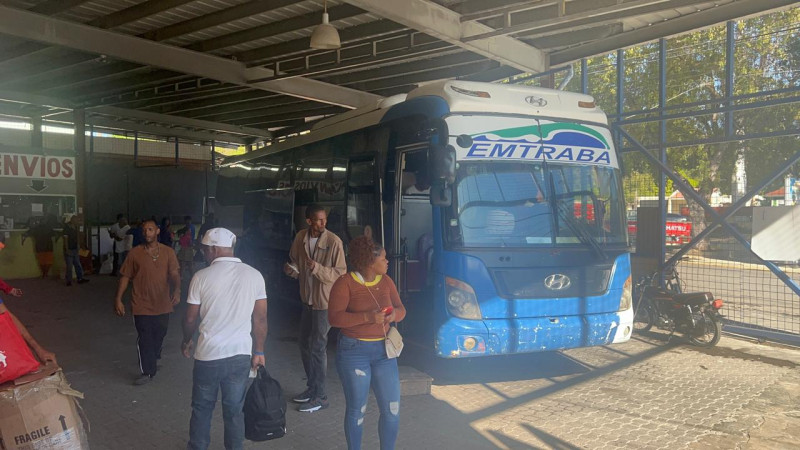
<point x="766" y="57"/>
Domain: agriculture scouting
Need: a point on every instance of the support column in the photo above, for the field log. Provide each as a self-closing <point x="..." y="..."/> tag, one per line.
<point x="177" y="151"/>
<point x="81" y="168"/>
<point x="620" y="88"/>
<point x="213" y="156"/>
<point x="584" y="76"/>
<point x="662" y="155"/>
<point x="36" y="136"/>
<point x="730" y="37"/>
<point x="91" y="144"/>
<point x="620" y="83"/>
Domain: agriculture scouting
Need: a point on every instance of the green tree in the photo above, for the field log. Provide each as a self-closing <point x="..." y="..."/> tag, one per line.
<point x="767" y="57"/>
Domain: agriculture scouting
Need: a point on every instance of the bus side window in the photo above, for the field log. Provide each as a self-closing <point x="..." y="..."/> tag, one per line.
<point x="362" y="213"/>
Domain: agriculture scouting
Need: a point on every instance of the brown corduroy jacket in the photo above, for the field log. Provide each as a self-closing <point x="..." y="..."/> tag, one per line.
<point x="330" y="265"/>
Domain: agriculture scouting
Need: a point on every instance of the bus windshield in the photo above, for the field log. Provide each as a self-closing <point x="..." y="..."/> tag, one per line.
<point x="523" y="204"/>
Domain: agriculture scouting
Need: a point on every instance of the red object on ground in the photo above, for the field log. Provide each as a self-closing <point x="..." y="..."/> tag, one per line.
<point x="16" y="358"/>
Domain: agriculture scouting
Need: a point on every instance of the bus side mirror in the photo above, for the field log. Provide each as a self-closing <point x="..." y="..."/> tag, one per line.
<point x="441" y="194"/>
<point x="443" y="163"/>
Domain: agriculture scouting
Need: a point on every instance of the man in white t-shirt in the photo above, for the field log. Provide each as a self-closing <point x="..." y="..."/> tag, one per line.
<point x="224" y="299"/>
<point x="118" y="232"/>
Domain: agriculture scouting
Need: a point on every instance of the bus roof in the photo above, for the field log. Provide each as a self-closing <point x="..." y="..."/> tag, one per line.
<point x="447" y="97"/>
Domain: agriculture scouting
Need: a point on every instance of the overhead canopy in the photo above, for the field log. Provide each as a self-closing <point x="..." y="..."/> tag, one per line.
<point x="242" y="71"/>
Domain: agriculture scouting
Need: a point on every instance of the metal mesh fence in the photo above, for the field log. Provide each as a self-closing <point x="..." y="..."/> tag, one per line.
<point x="726" y="120"/>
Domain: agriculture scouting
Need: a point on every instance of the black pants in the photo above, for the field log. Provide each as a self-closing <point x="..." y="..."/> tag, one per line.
<point x="152" y="330"/>
<point x="115" y="259"/>
<point x="314" y="328"/>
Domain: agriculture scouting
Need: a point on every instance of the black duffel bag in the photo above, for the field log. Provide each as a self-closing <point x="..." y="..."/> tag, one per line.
<point x="264" y="408"/>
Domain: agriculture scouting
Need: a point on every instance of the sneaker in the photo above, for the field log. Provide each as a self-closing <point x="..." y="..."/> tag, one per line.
<point x="315" y="404"/>
<point x="83" y="280"/>
<point x="303" y="397"/>
<point x="143" y="379"/>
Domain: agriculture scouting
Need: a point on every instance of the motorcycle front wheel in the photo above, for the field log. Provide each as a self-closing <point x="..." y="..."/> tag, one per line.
<point x="713" y="331"/>
<point x="644" y="318"/>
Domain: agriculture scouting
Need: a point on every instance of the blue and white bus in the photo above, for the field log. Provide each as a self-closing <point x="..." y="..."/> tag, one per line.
<point x="500" y="206"/>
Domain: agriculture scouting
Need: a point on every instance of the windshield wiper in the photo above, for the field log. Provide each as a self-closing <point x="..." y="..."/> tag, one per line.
<point x="580" y="232"/>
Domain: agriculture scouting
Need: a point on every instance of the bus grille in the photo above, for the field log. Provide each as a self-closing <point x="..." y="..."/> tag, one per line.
<point x="530" y="282"/>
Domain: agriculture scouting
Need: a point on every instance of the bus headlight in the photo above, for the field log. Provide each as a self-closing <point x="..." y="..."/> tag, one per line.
<point x="461" y="299"/>
<point x="627" y="295"/>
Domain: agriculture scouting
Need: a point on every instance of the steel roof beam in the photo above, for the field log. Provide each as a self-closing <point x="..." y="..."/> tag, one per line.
<point x="156" y="101"/>
<point x="136" y="12"/>
<point x="130" y="83"/>
<point x="112" y="20"/>
<point x="570" y="38"/>
<point x="258" y="110"/>
<point x="180" y="121"/>
<point x="278" y="115"/>
<point x="672" y="27"/>
<point x="51" y="7"/>
<point x="585" y="19"/>
<point x="33" y="99"/>
<point x="352" y="33"/>
<point x="504" y="9"/>
<point x="260" y="98"/>
<point x="445" y="24"/>
<point x="297" y="47"/>
<point x="162" y="131"/>
<point x="275" y="28"/>
<point x="89" y="39"/>
<point x="216" y="18"/>
<point x="234" y="102"/>
<point x="471" y="7"/>
<point x="55" y="103"/>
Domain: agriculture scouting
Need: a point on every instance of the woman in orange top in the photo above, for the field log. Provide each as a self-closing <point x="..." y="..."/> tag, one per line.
<point x="363" y="303"/>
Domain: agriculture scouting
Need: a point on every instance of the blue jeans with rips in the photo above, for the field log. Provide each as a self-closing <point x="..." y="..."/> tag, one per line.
<point x="230" y="374"/>
<point x="362" y="364"/>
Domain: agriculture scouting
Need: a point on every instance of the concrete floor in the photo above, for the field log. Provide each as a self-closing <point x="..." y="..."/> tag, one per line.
<point x="648" y="393"/>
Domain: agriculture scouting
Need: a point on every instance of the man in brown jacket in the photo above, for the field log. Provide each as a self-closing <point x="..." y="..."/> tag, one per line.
<point x="317" y="261"/>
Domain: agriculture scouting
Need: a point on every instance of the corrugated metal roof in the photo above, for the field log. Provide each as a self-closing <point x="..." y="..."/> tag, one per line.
<point x="647" y="20"/>
<point x="92" y="79"/>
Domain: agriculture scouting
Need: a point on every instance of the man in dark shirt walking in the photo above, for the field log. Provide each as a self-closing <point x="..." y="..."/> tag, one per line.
<point x="71" y="249"/>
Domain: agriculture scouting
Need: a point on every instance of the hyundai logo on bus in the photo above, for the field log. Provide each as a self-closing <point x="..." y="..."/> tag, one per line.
<point x="535" y="101"/>
<point x="557" y="282"/>
<point x="558" y="145"/>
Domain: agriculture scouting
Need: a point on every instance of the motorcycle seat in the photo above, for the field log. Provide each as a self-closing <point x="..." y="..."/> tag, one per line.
<point x="693" y="298"/>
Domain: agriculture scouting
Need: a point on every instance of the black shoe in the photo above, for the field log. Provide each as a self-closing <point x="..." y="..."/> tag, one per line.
<point x="83" y="280"/>
<point x="303" y="397"/>
<point x="143" y="379"/>
<point x="69" y="283"/>
<point x="315" y="404"/>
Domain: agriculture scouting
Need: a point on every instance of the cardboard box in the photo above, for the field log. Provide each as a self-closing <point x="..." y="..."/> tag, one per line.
<point x="41" y="414"/>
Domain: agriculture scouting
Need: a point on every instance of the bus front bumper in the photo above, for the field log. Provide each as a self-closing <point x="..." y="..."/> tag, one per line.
<point x="460" y="338"/>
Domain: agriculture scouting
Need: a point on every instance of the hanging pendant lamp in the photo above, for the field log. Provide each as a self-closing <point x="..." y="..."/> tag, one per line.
<point x="325" y="36"/>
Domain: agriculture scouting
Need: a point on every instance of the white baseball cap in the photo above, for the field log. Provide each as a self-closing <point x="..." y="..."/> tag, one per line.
<point x="219" y="237"/>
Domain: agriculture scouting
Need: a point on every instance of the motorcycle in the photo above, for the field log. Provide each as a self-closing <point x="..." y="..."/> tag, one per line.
<point x="696" y="314"/>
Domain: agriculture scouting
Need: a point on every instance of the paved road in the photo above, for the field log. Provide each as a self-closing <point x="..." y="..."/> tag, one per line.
<point x="648" y="393"/>
<point x="753" y="294"/>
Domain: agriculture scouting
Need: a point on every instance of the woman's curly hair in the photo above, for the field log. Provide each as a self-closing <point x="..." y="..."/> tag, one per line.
<point x="363" y="251"/>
